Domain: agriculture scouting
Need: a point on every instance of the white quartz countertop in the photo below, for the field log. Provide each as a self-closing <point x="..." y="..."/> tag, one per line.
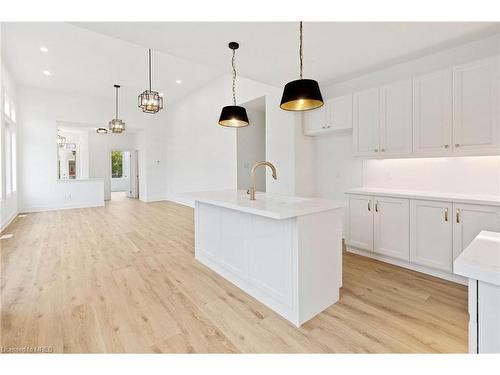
<point x="490" y="200"/>
<point x="268" y="205"/>
<point x="481" y="259"/>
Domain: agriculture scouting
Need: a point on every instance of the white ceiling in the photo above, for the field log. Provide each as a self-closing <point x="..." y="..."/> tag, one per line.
<point x="86" y="62"/>
<point x="90" y="57"/>
<point x="269" y="50"/>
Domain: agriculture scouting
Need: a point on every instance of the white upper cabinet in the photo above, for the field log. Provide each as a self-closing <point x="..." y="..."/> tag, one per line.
<point x="334" y="115"/>
<point x="476" y="106"/>
<point x="432" y="113"/>
<point x="366" y="122"/>
<point x="339" y="113"/>
<point x="396" y="118"/>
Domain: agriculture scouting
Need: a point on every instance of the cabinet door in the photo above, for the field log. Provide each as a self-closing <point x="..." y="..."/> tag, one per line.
<point x="431" y="234"/>
<point x="360" y="224"/>
<point x="396" y="118"/>
<point x="366" y="122"/>
<point x="432" y="113"/>
<point x="469" y="220"/>
<point x="339" y="113"/>
<point x="391" y="227"/>
<point x="488" y="325"/>
<point x="315" y="121"/>
<point x="475" y="105"/>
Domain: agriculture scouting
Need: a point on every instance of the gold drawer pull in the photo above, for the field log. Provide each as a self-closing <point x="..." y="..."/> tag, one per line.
<point x="458" y="215"/>
<point x="445" y="214"/>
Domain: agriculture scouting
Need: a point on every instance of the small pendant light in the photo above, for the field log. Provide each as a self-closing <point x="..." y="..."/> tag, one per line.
<point x="116" y="125"/>
<point x="150" y="101"/>
<point x="233" y="116"/>
<point x="301" y="94"/>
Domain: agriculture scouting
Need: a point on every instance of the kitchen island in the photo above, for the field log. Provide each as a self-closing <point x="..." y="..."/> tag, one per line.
<point x="284" y="251"/>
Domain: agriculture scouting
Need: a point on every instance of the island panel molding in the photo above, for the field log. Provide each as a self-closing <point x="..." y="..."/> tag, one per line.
<point x="292" y="264"/>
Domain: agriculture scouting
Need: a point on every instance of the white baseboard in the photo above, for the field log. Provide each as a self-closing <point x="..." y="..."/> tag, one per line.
<point x="9" y="220"/>
<point x="414" y="267"/>
<point x="180" y="199"/>
<point x="56" y="208"/>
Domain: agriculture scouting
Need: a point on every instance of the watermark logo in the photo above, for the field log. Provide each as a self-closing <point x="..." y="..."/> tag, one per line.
<point x="26" y="349"/>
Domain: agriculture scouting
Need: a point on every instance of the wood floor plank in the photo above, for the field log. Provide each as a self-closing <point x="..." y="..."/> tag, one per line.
<point x="123" y="279"/>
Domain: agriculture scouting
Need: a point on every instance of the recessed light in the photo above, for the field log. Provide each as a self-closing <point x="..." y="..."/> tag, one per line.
<point x="44" y="49"/>
<point x="178" y="81"/>
<point x="46" y="73"/>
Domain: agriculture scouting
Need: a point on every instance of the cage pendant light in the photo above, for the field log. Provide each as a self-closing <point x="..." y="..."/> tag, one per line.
<point x="233" y="116"/>
<point x="150" y="101"/>
<point x="301" y="94"/>
<point x="116" y="125"/>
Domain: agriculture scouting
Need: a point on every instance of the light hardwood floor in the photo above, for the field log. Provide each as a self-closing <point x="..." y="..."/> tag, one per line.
<point x="123" y="279"/>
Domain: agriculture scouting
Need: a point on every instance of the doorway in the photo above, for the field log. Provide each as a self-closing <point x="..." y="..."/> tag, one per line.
<point x="251" y="145"/>
<point x="124" y="174"/>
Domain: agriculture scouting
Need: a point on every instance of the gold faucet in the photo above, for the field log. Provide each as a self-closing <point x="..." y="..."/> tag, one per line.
<point x="251" y="190"/>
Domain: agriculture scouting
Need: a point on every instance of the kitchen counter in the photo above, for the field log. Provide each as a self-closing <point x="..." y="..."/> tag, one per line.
<point x="480" y="262"/>
<point x="269" y="205"/>
<point x="481" y="259"/>
<point x="490" y="200"/>
<point x="284" y="251"/>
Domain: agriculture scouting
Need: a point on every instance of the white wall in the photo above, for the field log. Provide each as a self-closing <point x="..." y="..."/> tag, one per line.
<point x="338" y="170"/>
<point x="202" y="155"/>
<point x="39" y="112"/>
<point x="251" y="148"/>
<point x="8" y="204"/>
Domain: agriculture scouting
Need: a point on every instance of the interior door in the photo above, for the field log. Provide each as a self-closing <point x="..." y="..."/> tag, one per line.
<point x="366" y="122"/>
<point x="360" y="225"/>
<point x="475" y="105"/>
<point x="134" y="175"/>
<point x="432" y="113"/>
<point x="431" y="234"/>
<point x="469" y="220"/>
<point x="391" y="227"/>
<point x="396" y="118"/>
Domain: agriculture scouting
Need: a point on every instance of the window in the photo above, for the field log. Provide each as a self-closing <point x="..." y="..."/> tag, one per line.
<point x="8" y="150"/>
<point x="8" y="158"/>
<point x="116" y="164"/>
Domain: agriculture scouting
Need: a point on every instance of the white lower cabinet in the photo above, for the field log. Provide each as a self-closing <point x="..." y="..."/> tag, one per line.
<point x="391" y="227"/>
<point x="427" y="234"/>
<point x="469" y="220"/>
<point x="360" y="224"/>
<point x="431" y="238"/>
<point x="379" y="225"/>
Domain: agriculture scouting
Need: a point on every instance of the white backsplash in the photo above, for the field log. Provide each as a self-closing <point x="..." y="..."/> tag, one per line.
<point x="468" y="175"/>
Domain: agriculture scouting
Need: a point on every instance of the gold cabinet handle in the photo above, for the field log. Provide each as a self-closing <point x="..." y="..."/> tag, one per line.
<point x="369" y="206"/>
<point x="446" y="146"/>
<point x="458" y="215"/>
<point x="445" y="214"/>
<point x="383" y="150"/>
<point x="376" y="206"/>
<point x="376" y="150"/>
<point x="457" y="144"/>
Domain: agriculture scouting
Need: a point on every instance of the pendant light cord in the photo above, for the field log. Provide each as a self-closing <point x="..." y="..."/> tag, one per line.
<point x="300" y="51"/>
<point x="234" y="76"/>
<point x="116" y="103"/>
<point x="149" y="70"/>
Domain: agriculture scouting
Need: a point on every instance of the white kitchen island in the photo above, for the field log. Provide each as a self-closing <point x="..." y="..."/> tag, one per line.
<point x="284" y="251"/>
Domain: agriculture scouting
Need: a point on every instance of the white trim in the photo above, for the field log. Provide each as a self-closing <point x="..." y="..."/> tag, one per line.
<point x="180" y="199"/>
<point x="414" y="267"/>
<point x="56" y="208"/>
<point x="9" y="220"/>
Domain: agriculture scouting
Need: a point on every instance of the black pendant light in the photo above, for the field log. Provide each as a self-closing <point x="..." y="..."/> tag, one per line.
<point x="150" y="101"/>
<point x="233" y="116"/>
<point x="301" y="94"/>
<point x="116" y="125"/>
